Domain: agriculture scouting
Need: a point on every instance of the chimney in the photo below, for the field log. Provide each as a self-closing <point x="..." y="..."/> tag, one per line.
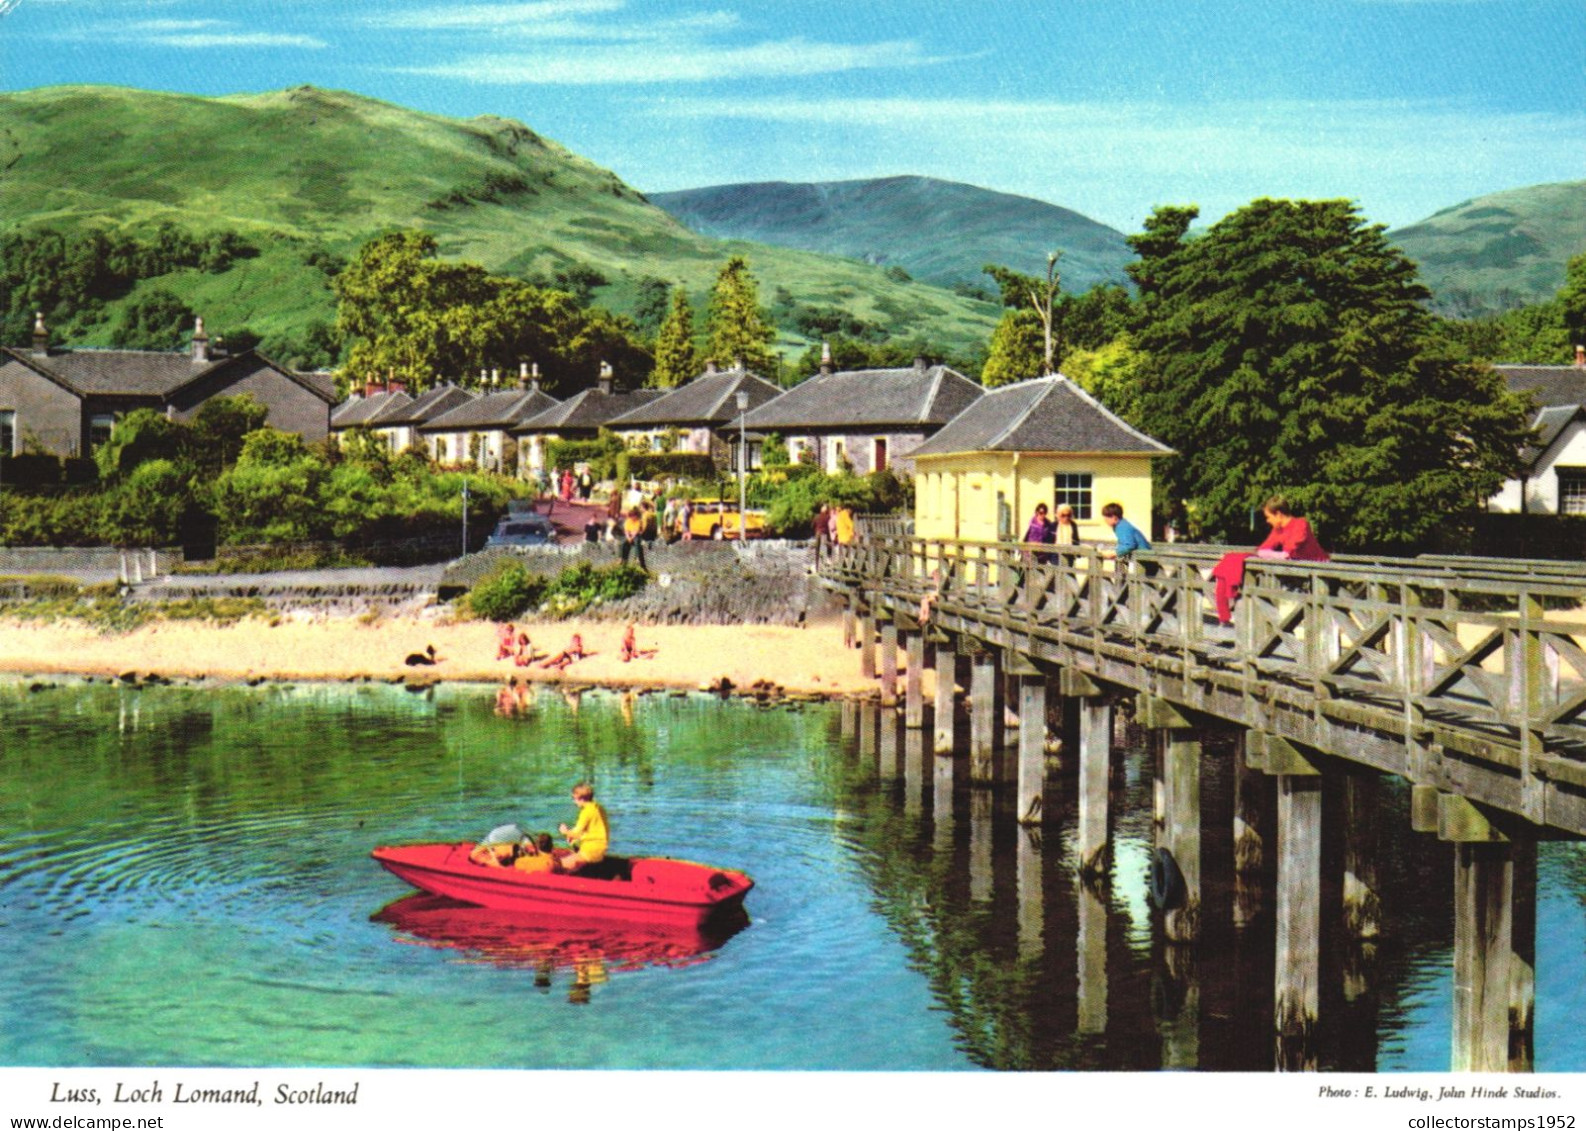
<point x="484" y="378"/>
<point x="605" y="378"/>
<point x="1580" y="354"/>
<point x="495" y="379"/>
<point x="737" y="364"/>
<point x="41" y="335"/>
<point x="534" y="376"/>
<point x="826" y="359"/>
<point x="396" y="386"/>
<point x="200" y="342"/>
<point x="920" y="364"/>
<point x="710" y="368"/>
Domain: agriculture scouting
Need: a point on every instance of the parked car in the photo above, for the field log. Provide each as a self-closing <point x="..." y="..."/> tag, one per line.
<point x="522" y="530"/>
<point x="719" y="519"/>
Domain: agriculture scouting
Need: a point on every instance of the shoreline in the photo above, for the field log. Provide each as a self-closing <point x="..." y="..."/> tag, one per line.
<point x="806" y="661"/>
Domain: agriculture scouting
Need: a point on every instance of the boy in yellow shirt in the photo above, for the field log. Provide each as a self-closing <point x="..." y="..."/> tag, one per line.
<point x="590" y="835"/>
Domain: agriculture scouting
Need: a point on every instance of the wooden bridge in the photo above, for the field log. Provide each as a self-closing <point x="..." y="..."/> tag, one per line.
<point x="1467" y="677"/>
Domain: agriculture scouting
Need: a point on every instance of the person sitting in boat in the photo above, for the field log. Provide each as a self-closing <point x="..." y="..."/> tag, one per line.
<point x="537" y="855"/>
<point x="500" y="846"/>
<point x="590" y="835"/>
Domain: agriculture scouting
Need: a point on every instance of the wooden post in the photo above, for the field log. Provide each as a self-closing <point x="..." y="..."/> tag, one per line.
<point x="1032" y="903"/>
<point x="847" y="725"/>
<point x="985" y="717"/>
<point x="913" y="770"/>
<point x="1092" y="946"/>
<point x="1362" y="898"/>
<point x="1494" y="941"/>
<point x="867" y="644"/>
<point x="887" y="745"/>
<point x="1299" y="919"/>
<point x="1032" y="748"/>
<point x="942" y="805"/>
<point x="980" y="857"/>
<point x="1250" y="848"/>
<point x="867" y="733"/>
<point x="1181" y="834"/>
<point x="914" y="680"/>
<point x="946" y="680"/>
<point x="889" y="663"/>
<point x="1095" y="771"/>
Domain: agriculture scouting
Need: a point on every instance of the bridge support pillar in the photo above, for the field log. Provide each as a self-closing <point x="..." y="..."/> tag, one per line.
<point x="946" y="685"/>
<point x="1250" y="847"/>
<point x="914" y="680"/>
<point x="1032" y="748"/>
<point x="887" y="744"/>
<point x="889" y="664"/>
<point x="1362" y="898"/>
<point x="1092" y="945"/>
<point x="1299" y="919"/>
<point x="1180" y="833"/>
<point x="985" y="717"/>
<point x="867" y="644"/>
<point x="913" y="770"/>
<point x="1094" y="763"/>
<point x="1494" y="941"/>
<point x="868" y="713"/>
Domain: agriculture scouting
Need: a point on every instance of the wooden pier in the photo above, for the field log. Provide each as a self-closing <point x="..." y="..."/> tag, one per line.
<point x="1466" y="677"/>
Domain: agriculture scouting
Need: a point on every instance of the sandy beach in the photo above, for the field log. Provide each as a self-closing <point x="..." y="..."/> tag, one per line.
<point x="809" y="660"/>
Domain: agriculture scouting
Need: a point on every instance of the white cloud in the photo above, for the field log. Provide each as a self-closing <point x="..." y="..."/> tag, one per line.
<point x="491" y="16"/>
<point x="644" y="65"/>
<point x="238" y="39"/>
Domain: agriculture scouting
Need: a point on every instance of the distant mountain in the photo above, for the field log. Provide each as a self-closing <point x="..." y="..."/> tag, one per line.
<point x="1500" y="251"/>
<point x="938" y="231"/>
<point x="305" y="173"/>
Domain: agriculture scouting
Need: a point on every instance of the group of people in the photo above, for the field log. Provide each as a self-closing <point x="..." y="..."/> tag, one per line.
<point x="588" y="838"/>
<point x="580" y="484"/>
<point x="834" y="526"/>
<point x="1062" y="530"/>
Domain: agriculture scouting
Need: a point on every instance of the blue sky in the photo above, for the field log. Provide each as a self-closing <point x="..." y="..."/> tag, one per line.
<point x="1109" y="107"/>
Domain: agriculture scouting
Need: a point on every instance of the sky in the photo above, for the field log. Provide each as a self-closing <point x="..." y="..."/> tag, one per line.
<point x="1108" y="107"/>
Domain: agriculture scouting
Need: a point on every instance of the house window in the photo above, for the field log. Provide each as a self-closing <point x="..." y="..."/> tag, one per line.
<point x="1572" y="490"/>
<point x="1074" y="488"/>
<point x="839" y="456"/>
<point x="879" y="463"/>
<point x="8" y="433"/>
<point x="100" y="426"/>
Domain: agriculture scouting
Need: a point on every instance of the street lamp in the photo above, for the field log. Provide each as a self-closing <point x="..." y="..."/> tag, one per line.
<point x="743" y="465"/>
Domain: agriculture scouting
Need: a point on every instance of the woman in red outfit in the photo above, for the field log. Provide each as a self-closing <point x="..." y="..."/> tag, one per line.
<point x="1291" y="540"/>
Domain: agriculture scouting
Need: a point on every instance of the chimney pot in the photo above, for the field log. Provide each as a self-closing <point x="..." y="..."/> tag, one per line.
<point x="710" y="368"/>
<point x="41" y="334"/>
<point x="826" y="358"/>
<point x="737" y="363"/>
<point x="1580" y="357"/>
<point x="200" y="341"/>
<point x="534" y="376"/>
<point x="605" y="377"/>
<point x="920" y="364"/>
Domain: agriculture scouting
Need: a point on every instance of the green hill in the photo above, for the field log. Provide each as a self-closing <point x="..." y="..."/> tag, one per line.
<point x="1500" y="251"/>
<point x="939" y="231"/>
<point x="304" y="172"/>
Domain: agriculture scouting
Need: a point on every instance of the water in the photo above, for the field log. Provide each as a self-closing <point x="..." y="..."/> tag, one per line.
<point x="184" y="880"/>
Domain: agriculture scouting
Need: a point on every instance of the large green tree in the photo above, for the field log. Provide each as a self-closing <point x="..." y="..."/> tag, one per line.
<point x="736" y="327"/>
<point x="675" y="362"/>
<point x="1017" y="351"/>
<point x="1289" y="350"/>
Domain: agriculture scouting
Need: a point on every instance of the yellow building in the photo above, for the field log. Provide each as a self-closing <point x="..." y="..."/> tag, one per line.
<point x="1041" y="441"/>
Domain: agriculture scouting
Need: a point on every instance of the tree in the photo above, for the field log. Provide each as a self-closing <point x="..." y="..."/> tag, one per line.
<point x="735" y="325"/>
<point x="1572" y="301"/>
<point x="1288" y="349"/>
<point x="155" y="320"/>
<point x="1110" y="373"/>
<point x="675" y="362"/>
<point x="1019" y="290"/>
<point x="651" y="303"/>
<point x="219" y="428"/>
<point x="1017" y="349"/>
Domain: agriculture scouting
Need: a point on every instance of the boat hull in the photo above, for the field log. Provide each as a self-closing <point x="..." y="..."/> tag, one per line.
<point x="650" y="889"/>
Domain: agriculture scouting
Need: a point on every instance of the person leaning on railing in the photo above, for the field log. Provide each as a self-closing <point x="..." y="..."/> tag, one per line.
<point x="1127" y="533"/>
<point x="1291" y="540"/>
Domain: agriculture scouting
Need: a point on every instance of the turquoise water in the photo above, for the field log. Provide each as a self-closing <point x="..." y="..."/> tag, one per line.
<point x="184" y="878"/>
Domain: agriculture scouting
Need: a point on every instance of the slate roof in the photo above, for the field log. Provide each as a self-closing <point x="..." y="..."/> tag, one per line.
<point x="368" y="410"/>
<point x="426" y="407"/>
<point x="918" y="396"/>
<point x="140" y="373"/>
<point x="588" y="410"/>
<point x="1048" y="414"/>
<point x="1549" y="384"/>
<point x="493" y="410"/>
<point x="711" y="398"/>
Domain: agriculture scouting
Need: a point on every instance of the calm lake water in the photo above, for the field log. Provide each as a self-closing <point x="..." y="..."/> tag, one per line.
<point x="185" y="880"/>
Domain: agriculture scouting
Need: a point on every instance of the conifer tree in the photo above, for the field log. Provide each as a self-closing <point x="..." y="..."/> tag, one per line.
<point x="1016" y="352"/>
<point x="737" y="327"/>
<point x="675" y="361"/>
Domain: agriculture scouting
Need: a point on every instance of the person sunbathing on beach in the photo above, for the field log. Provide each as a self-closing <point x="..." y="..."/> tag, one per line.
<point x="426" y="658"/>
<point x="524" y="655"/>
<point x="573" y="651"/>
<point x="506" y="638"/>
<point x="630" y="646"/>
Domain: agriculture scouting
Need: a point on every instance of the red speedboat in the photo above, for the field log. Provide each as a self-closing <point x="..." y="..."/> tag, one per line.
<point x="637" y="889"/>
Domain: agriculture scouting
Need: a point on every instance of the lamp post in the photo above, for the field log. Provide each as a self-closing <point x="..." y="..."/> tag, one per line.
<point x="465" y="516"/>
<point x="743" y="465"/>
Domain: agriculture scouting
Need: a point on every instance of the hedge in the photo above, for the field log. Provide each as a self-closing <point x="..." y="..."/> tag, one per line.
<point x="676" y="465"/>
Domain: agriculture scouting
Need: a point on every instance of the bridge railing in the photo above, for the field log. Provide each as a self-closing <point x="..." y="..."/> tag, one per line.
<point x="1489" y="654"/>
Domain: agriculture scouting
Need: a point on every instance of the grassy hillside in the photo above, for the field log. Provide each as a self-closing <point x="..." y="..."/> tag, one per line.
<point x="939" y="231"/>
<point x="302" y="171"/>
<point x="1501" y="251"/>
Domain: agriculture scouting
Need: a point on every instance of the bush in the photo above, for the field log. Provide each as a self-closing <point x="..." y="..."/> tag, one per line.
<point x="506" y="594"/>
<point x="31" y="469"/>
<point x="679" y="465"/>
<point x="600" y="454"/>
